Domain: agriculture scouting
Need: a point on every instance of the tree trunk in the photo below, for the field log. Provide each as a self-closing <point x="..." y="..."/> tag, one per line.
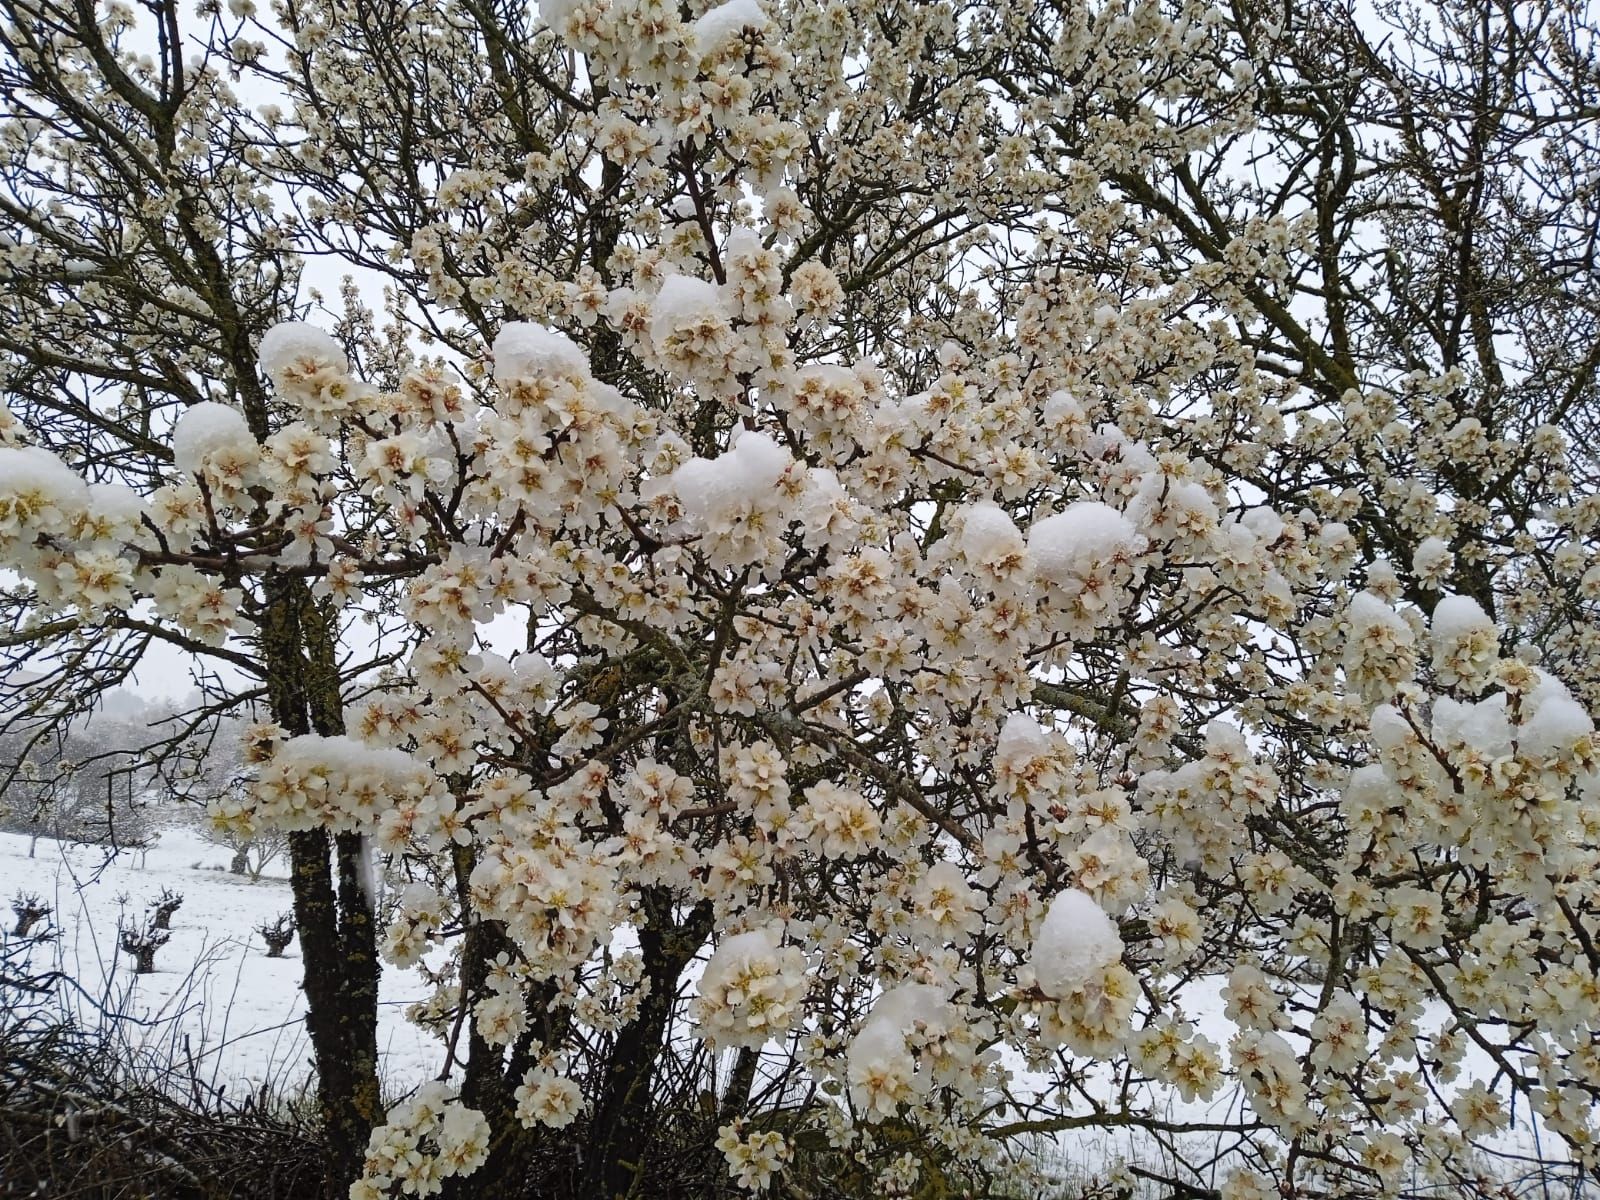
<point x="360" y="971"/>
<point x="614" y="1160"/>
<point x="489" y="1080"/>
<point x="346" y="1077"/>
<point x="240" y="863"/>
<point x="333" y="913"/>
<point x="736" y="1096"/>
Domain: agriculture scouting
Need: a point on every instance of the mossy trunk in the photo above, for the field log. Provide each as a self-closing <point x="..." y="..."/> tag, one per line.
<point x="332" y="910"/>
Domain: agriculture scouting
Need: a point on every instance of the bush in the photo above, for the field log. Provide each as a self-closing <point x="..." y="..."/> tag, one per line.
<point x="142" y="944"/>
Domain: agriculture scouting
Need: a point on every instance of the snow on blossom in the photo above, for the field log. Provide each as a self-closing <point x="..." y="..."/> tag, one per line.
<point x="525" y="352"/>
<point x="556" y="13"/>
<point x="114" y="514"/>
<point x="1457" y="616"/>
<point x="1081" y="539"/>
<point x="950" y="434"/>
<point x="1021" y="738"/>
<point x="751" y="989"/>
<point x="207" y="434"/>
<point x="992" y="545"/>
<point x="1084" y="552"/>
<point x="713" y="491"/>
<point x="1076" y="941"/>
<point x="725" y="22"/>
<point x="1485" y="725"/>
<point x="1380" y="650"/>
<point x="1432" y="561"/>
<point x="1465" y="643"/>
<point x="690" y="325"/>
<point x="881" y="1064"/>
<point x="1267" y="525"/>
<point x="742" y="500"/>
<point x="829" y="516"/>
<point x="1553" y="721"/>
<point x="347" y="784"/>
<point x="297" y="346"/>
<point x="1166" y="508"/>
<point x="38" y="492"/>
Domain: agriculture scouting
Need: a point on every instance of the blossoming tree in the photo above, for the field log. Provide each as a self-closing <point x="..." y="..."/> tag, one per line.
<point x="873" y="563"/>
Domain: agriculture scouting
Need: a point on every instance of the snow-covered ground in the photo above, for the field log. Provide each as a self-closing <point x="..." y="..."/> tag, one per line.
<point x="215" y="998"/>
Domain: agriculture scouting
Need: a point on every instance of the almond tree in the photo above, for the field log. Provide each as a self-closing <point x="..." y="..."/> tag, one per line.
<point x="873" y="565"/>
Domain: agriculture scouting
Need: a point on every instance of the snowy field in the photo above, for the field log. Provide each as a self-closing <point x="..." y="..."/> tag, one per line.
<point x="215" y="998"/>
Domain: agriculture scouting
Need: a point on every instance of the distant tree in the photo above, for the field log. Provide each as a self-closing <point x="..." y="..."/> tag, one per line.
<point x="81" y="782"/>
<point x="277" y="934"/>
<point x="253" y="853"/>
<point x="29" y="910"/>
<point x="210" y="773"/>
<point x="142" y="942"/>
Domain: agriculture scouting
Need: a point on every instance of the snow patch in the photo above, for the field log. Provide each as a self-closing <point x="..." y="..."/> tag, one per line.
<point x="1076" y="942"/>
<point x="290" y="343"/>
<point x="205" y="430"/>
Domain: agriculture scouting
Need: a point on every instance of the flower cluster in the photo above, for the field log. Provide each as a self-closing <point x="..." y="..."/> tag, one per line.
<point x="914" y="1042"/>
<point x="547" y="1097"/>
<point x="425" y="1141"/>
<point x="750" y="990"/>
<point x="753" y="1159"/>
<point x="345" y="784"/>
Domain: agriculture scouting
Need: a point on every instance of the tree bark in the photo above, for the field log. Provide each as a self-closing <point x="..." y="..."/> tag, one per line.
<point x="615" y="1158"/>
<point x="489" y="1081"/>
<point x="332" y="911"/>
<point x="736" y="1096"/>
